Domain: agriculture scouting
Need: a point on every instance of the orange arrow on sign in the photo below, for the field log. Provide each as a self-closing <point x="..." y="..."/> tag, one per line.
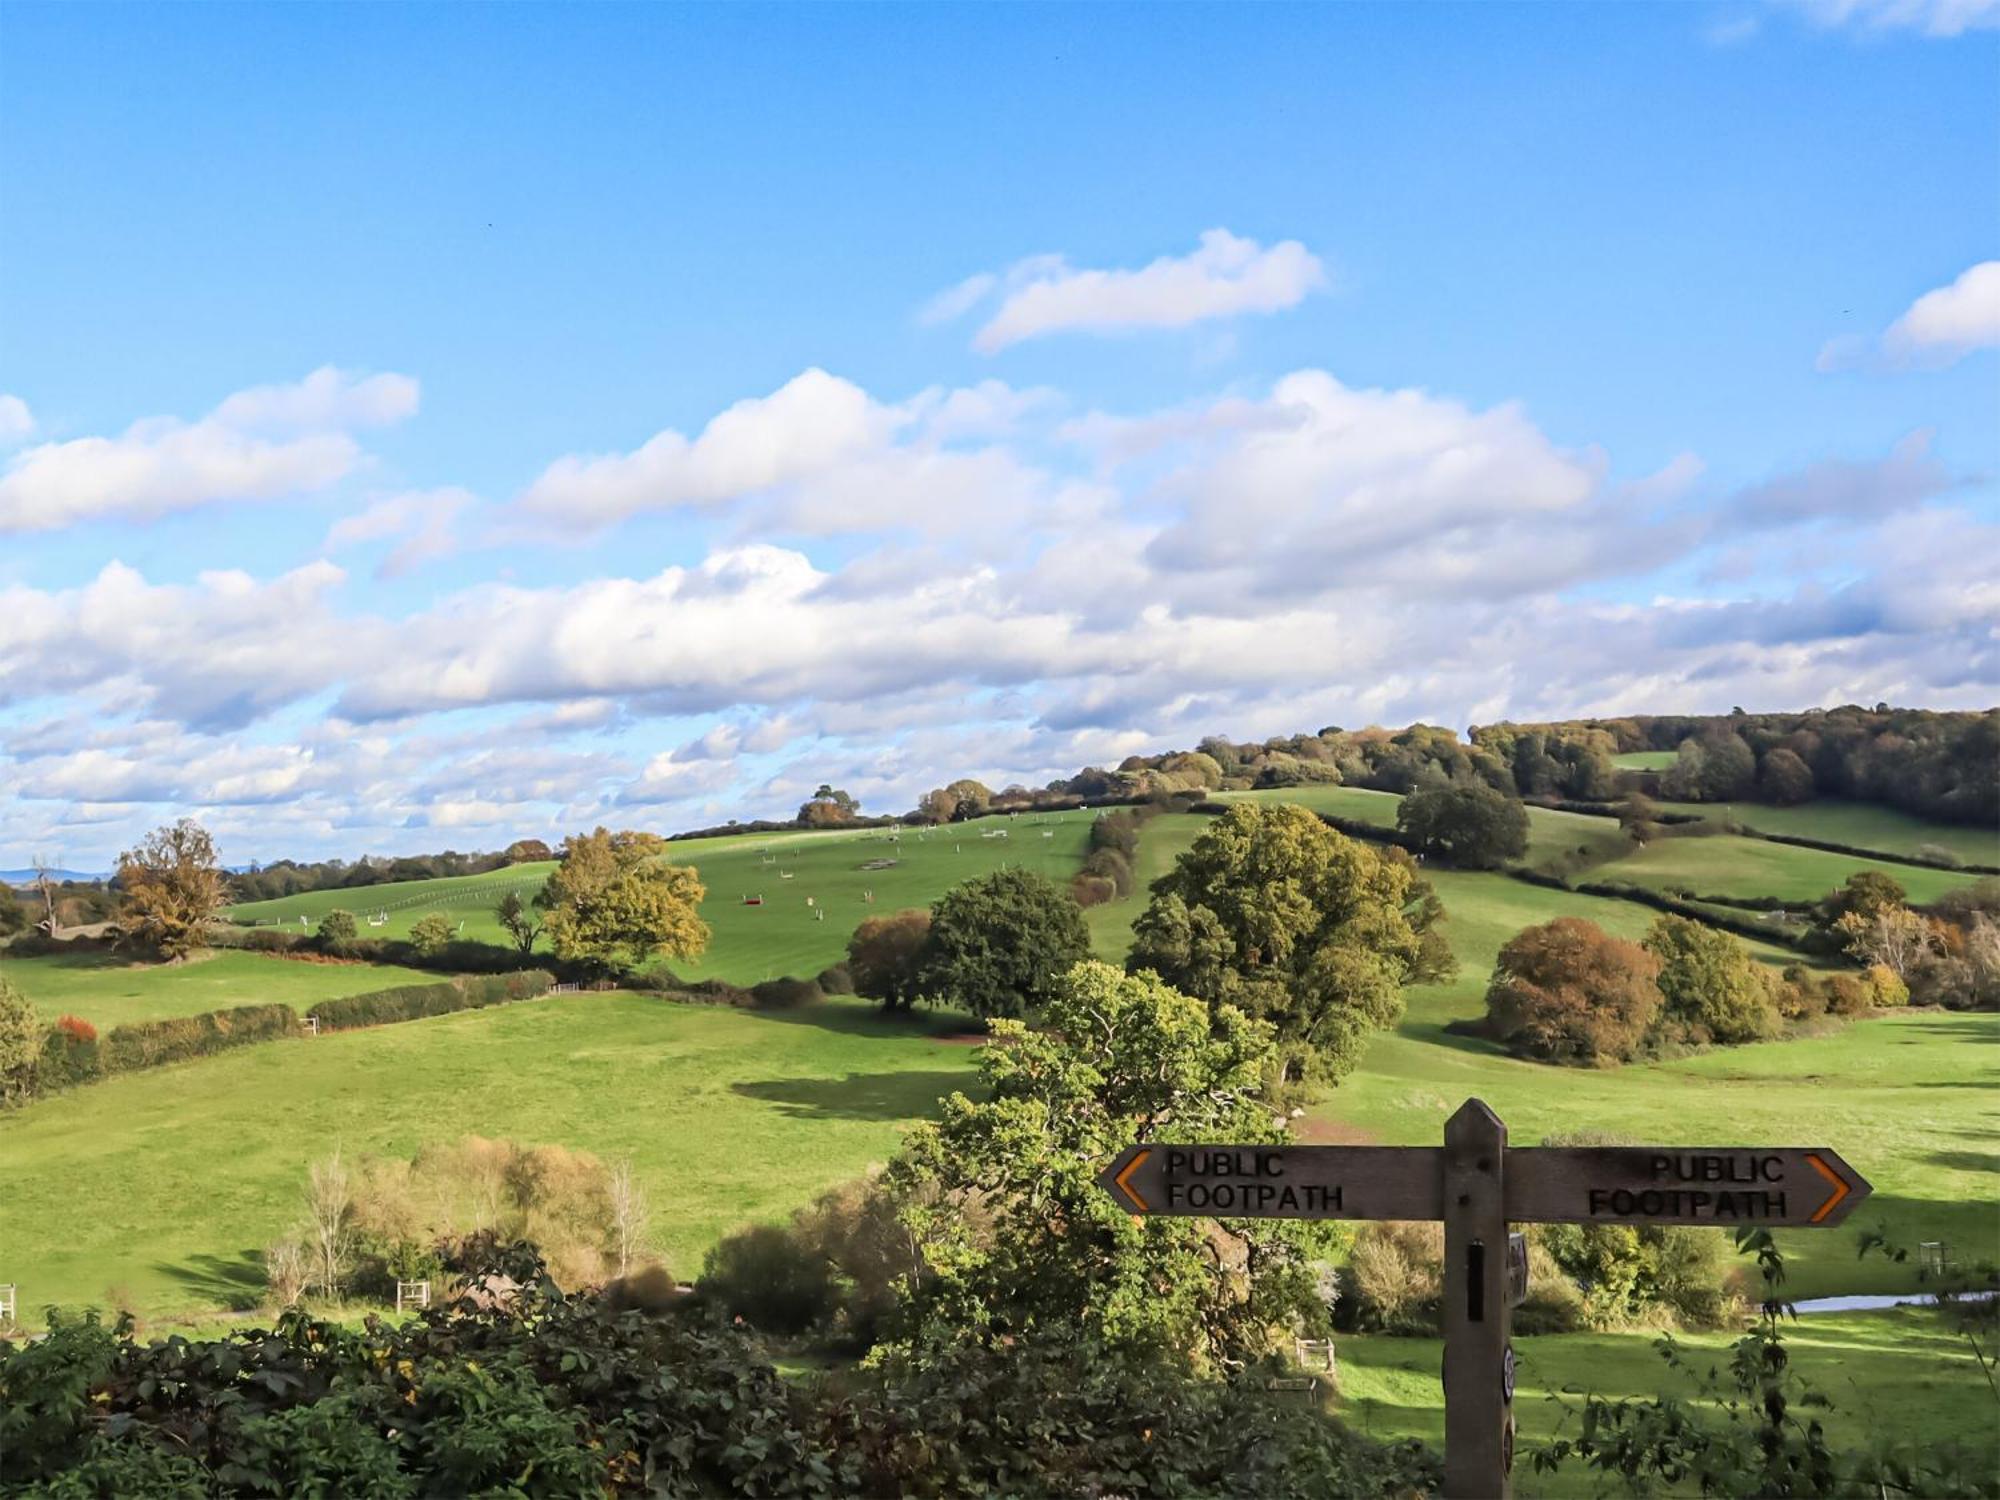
<point x="1126" y="1187"/>
<point x="1841" y="1186"/>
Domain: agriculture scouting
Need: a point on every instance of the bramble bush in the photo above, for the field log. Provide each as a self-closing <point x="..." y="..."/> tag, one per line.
<point x="557" y="1395"/>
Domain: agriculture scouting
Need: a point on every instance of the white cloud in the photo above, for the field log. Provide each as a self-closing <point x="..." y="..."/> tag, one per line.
<point x="1932" y="18"/>
<point x="257" y="445"/>
<point x="16" y="421"/>
<point x="421" y="518"/>
<point x="820" y="456"/>
<point x="1224" y="276"/>
<point x="1943" y="326"/>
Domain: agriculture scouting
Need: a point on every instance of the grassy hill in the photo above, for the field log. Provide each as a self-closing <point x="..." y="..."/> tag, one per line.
<point x="1865" y="825"/>
<point x="782" y="936"/>
<point x="106" y="990"/>
<point x="167" y="1184"/>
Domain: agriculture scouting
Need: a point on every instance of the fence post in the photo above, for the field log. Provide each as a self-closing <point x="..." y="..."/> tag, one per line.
<point x="1478" y="1356"/>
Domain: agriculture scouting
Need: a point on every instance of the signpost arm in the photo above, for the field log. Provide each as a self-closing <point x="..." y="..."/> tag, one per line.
<point x="1478" y="1416"/>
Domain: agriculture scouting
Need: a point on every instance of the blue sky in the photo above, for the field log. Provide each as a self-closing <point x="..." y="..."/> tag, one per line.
<point x="1317" y="365"/>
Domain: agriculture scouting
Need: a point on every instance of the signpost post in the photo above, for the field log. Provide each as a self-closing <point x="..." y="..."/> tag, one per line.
<point x="1478" y="1185"/>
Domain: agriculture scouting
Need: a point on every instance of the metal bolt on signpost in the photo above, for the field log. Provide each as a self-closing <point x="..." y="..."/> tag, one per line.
<point x="1477" y="1185"/>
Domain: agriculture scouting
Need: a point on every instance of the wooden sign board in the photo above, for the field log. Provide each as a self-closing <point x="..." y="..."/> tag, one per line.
<point x="1277" y="1182"/>
<point x="1725" y="1187"/>
<point x="1477" y="1184"/>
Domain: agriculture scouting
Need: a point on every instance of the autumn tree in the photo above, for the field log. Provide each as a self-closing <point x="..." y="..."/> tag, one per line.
<point x="1784" y="779"/>
<point x="1471" y="826"/>
<point x="1000" y="943"/>
<point x="521" y="922"/>
<point x="1567" y="991"/>
<point x="1018" y="1240"/>
<point x="174" y="887"/>
<point x="1893" y="936"/>
<point x="1711" y="990"/>
<point x="886" y="956"/>
<point x="613" y="896"/>
<point x="525" y="851"/>
<point x="829" y="807"/>
<point x="1275" y="913"/>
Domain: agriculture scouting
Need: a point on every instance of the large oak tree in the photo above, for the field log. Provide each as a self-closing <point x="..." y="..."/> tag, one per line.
<point x="614" y="897"/>
<point x="174" y="887"/>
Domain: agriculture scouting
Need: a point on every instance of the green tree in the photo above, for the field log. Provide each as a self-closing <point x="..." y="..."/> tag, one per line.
<point x="337" y="928"/>
<point x="431" y="934"/>
<point x="1000" y="943"/>
<point x="21" y="1034"/>
<point x="1567" y="991"/>
<point x="520" y="921"/>
<point x="613" y="897"/>
<point x="1711" y="989"/>
<point x="1273" y="912"/>
<point x="1471" y="826"/>
<point x="174" y="887"/>
<point x="1017" y="1238"/>
<point x="886" y="957"/>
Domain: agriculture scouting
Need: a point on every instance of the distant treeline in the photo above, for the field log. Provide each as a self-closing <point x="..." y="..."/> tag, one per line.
<point x="287" y="877"/>
<point x="1943" y="766"/>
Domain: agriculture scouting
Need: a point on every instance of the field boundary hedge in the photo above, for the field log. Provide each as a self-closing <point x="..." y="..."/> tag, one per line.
<point x="70" y="1056"/>
<point x="1828" y="846"/>
<point x="415" y="1002"/>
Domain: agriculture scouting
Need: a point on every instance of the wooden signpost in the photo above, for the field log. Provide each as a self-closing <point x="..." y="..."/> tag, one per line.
<point x="1477" y="1185"/>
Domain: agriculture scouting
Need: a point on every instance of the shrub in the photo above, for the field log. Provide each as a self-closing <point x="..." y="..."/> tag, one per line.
<point x="835" y="980"/>
<point x="77" y="1028"/>
<point x="20" y="1045"/>
<point x="1938" y="854"/>
<point x="1567" y="991"/>
<point x="336" y="928"/>
<point x="785" y="994"/>
<point x="770" y="1280"/>
<point x="1394" y="1277"/>
<point x="67" y="1059"/>
<point x="1554" y="1303"/>
<point x="431" y="934"/>
<point x="1092" y="890"/>
<point x="271" y="940"/>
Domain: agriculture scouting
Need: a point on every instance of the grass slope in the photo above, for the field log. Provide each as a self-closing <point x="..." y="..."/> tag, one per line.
<point x="1726" y="865"/>
<point x="749" y="943"/>
<point x="1645" y="760"/>
<point x="1550" y="833"/>
<point x="1865" y="825"/>
<point x="167" y="1184"/>
<point x="106" y="990"/>
<point x="1899" y="1375"/>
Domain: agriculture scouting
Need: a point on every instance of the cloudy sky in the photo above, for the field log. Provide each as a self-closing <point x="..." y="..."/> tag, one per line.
<point x="426" y="428"/>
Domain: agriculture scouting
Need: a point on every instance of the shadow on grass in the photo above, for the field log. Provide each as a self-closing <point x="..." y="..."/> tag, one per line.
<point x="864" y="1018"/>
<point x="232" y="1281"/>
<point x="858" y="1096"/>
<point x="1967" y="1161"/>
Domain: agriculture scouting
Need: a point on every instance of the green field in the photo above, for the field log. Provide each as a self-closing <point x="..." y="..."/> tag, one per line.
<point x="1645" y="760"/>
<point x="732" y="1116"/>
<point x="1865" y="825"/>
<point x="1901" y="1375"/>
<point x="784" y="935"/>
<point x="1551" y="833"/>
<point x="1727" y="865"/>
<point x="399" y="903"/>
<point x="106" y="990"/>
<point x="167" y="1184"/>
